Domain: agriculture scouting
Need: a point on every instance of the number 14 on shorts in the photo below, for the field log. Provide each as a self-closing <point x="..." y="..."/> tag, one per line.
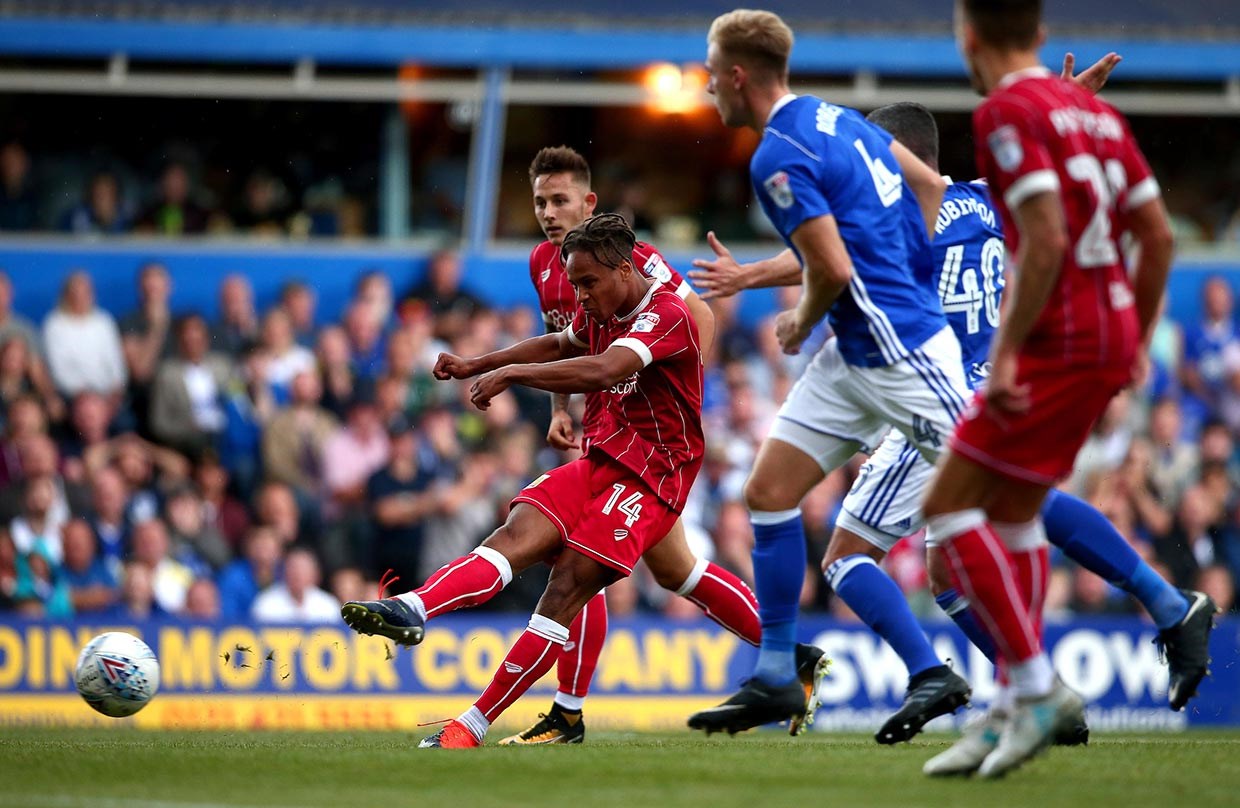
<point x="630" y="506"/>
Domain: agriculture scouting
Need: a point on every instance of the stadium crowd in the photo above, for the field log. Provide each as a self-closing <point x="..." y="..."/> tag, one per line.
<point x="268" y="466"/>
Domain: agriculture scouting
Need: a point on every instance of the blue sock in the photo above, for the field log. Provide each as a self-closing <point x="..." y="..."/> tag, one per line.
<point x="1088" y="538"/>
<point x="958" y="609"/>
<point x="779" y="572"/>
<point x="878" y="601"/>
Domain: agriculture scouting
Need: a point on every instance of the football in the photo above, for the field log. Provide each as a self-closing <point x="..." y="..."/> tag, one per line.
<point x="117" y="674"/>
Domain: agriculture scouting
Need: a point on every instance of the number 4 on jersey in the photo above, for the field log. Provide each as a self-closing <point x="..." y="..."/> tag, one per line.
<point x="630" y="507"/>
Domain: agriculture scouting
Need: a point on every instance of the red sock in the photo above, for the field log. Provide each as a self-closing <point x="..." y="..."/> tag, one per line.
<point x="982" y="568"/>
<point x="535" y="651"/>
<point x="576" y="665"/>
<point x="1033" y="569"/>
<point x="725" y="599"/>
<point x="468" y="581"/>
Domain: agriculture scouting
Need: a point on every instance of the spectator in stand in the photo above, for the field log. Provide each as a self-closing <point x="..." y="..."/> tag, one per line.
<point x="467" y="511"/>
<point x="374" y="294"/>
<point x="238" y="323"/>
<point x="441" y="291"/>
<point x="1198" y="538"/>
<point x="1202" y="374"/>
<point x="92" y="585"/>
<point x="146" y="337"/>
<point x="222" y="510"/>
<point x="352" y="453"/>
<point x="138" y="601"/>
<point x="286" y="358"/>
<point x="146" y="468"/>
<point x="186" y="411"/>
<point x="170" y="577"/>
<point x="23" y="420"/>
<point x="1174" y="461"/>
<point x="188" y="528"/>
<point x="174" y="212"/>
<point x="299" y="300"/>
<point x="39" y="458"/>
<point x="23" y="373"/>
<point x="340" y="382"/>
<point x="401" y="496"/>
<point x="13" y="324"/>
<point x="258" y="568"/>
<point x="83" y="343"/>
<point x="391" y="399"/>
<point x="90" y="424"/>
<point x="110" y="504"/>
<point x="298" y="599"/>
<point x="37" y="527"/>
<point x="1107" y="445"/>
<point x="264" y="211"/>
<point x="294" y="440"/>
<point x="19" y="206"/>
<point x="101" y="211"/>
<point x="8" y="571"/>
<point x="348" y="583"/>
<point x="41" y="590"/>
<point x="367" y="341"/>
<point x="202" y="601"/>
<point x="276" y="509"/>
<point x="248" y="407"/>
<point x="1220" y="584"/>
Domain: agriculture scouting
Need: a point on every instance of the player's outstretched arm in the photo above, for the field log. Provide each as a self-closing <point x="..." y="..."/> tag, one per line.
<point x="582" y="374"/>
<point x="1094" y="78"/>
<point x="544" y="348"/>
<point x="1149" y="226"/>
<point x="828" y="270"/>
<point x="724" y="277"/>
<point x="926" y="184"/>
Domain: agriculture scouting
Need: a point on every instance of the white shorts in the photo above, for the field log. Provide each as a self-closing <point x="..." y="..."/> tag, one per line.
<point x="836" y="410"/>
<point x="884" y="503"/>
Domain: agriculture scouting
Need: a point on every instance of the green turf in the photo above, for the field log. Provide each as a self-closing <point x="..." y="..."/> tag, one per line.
<point x="68" y="768"/>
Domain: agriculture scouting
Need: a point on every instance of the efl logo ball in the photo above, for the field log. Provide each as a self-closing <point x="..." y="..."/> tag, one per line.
<point x="117" y="674"/>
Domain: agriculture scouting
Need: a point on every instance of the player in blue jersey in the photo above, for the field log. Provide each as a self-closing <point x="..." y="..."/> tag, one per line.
<point x="883" y="504"/>
<point x="852" y="207"/>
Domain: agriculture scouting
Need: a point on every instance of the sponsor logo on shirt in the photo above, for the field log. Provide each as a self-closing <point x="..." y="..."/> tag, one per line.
<point x="644" y="323"/>
<point x="625" y="387"/>
<point x="779" y="189"/>
<point x="655" y="268"/>
<point x="1005" y="145"/>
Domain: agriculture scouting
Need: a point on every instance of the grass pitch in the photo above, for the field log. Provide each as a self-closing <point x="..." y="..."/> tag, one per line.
<point x="135" y="769"/>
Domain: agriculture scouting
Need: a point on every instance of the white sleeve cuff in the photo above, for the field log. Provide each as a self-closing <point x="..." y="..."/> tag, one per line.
<point x="638" y="347"/>
<point x="684" y="290"/>
<point x="1144" y="191"/>
<point x="1033" y="183"/>
<point x="574" y="339"/>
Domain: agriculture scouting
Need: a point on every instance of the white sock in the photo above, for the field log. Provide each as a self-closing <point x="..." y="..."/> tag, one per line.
<point x="414" y="601"/>
<point x="568" y="701"/>
<point x="473" y="720"/>
<point x="1005" y="699"/>
<point x="695" y="577"/>
<point x="1032" y="678"/>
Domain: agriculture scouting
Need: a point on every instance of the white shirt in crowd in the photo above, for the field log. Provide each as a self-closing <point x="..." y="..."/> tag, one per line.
<point x="276" y="605"/>
<point x="204" y="397"/>
<point x="84" y="353"/>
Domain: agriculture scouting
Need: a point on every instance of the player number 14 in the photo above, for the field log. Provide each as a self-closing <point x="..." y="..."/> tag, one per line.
<point x="630" y="507"/>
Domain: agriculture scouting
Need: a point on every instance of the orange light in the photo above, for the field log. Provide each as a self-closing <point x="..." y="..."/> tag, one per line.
<point x="673" y="89"/>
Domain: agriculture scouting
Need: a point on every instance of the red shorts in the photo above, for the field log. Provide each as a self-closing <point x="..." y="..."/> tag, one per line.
<point x="1040" y="445"/>
<point x="602" y="510"/>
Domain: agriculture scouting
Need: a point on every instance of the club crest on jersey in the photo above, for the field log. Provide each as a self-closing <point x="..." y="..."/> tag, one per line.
<point x="546" y="273"/>
<point x="621" y="534"/>
<point x="657" y="269"/>
<point x="644" y="323"/>
<point x="779" y="188"/>
<point x="1005" y="145"/>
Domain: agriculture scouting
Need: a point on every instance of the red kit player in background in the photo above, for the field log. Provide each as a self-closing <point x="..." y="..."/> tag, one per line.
<point x="634" y="344"/>
<point x="560" y="180"/>
<point x="1068" y="180"/>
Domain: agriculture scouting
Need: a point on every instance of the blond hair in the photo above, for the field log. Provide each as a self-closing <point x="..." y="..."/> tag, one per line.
<point x="759" y="39"/>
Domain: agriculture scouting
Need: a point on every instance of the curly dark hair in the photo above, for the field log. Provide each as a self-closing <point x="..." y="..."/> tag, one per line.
<point x="607" y="237"/>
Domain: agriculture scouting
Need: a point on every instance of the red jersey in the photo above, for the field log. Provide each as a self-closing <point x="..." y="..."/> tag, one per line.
<point x="558" y="301"/>
<point x="1037" y="133"/>
<point x="652" y="421"/>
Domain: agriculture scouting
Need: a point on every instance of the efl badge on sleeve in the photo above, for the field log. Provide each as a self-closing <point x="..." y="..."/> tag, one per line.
<point x="779" y="188"/>
<point x="657" y="269"/>
<point x="1005" y="145"/>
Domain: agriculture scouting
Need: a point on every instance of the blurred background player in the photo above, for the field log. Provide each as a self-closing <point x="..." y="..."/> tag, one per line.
<point x="1068" y="178"/>
<point x="560" y="178"/>
<point x="834" y="187"/>
<point x="595" y="516"/>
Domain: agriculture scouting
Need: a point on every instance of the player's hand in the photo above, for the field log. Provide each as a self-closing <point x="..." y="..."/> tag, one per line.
<point x="722" y="277"/>
<point x="1094" y="78"/>
<point x="560" y="434"/>
<point x="487" y="387"/>
<point x="1003" y="393"/>
<point x="790" y="332"/>
<point x="451" y="366"/>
